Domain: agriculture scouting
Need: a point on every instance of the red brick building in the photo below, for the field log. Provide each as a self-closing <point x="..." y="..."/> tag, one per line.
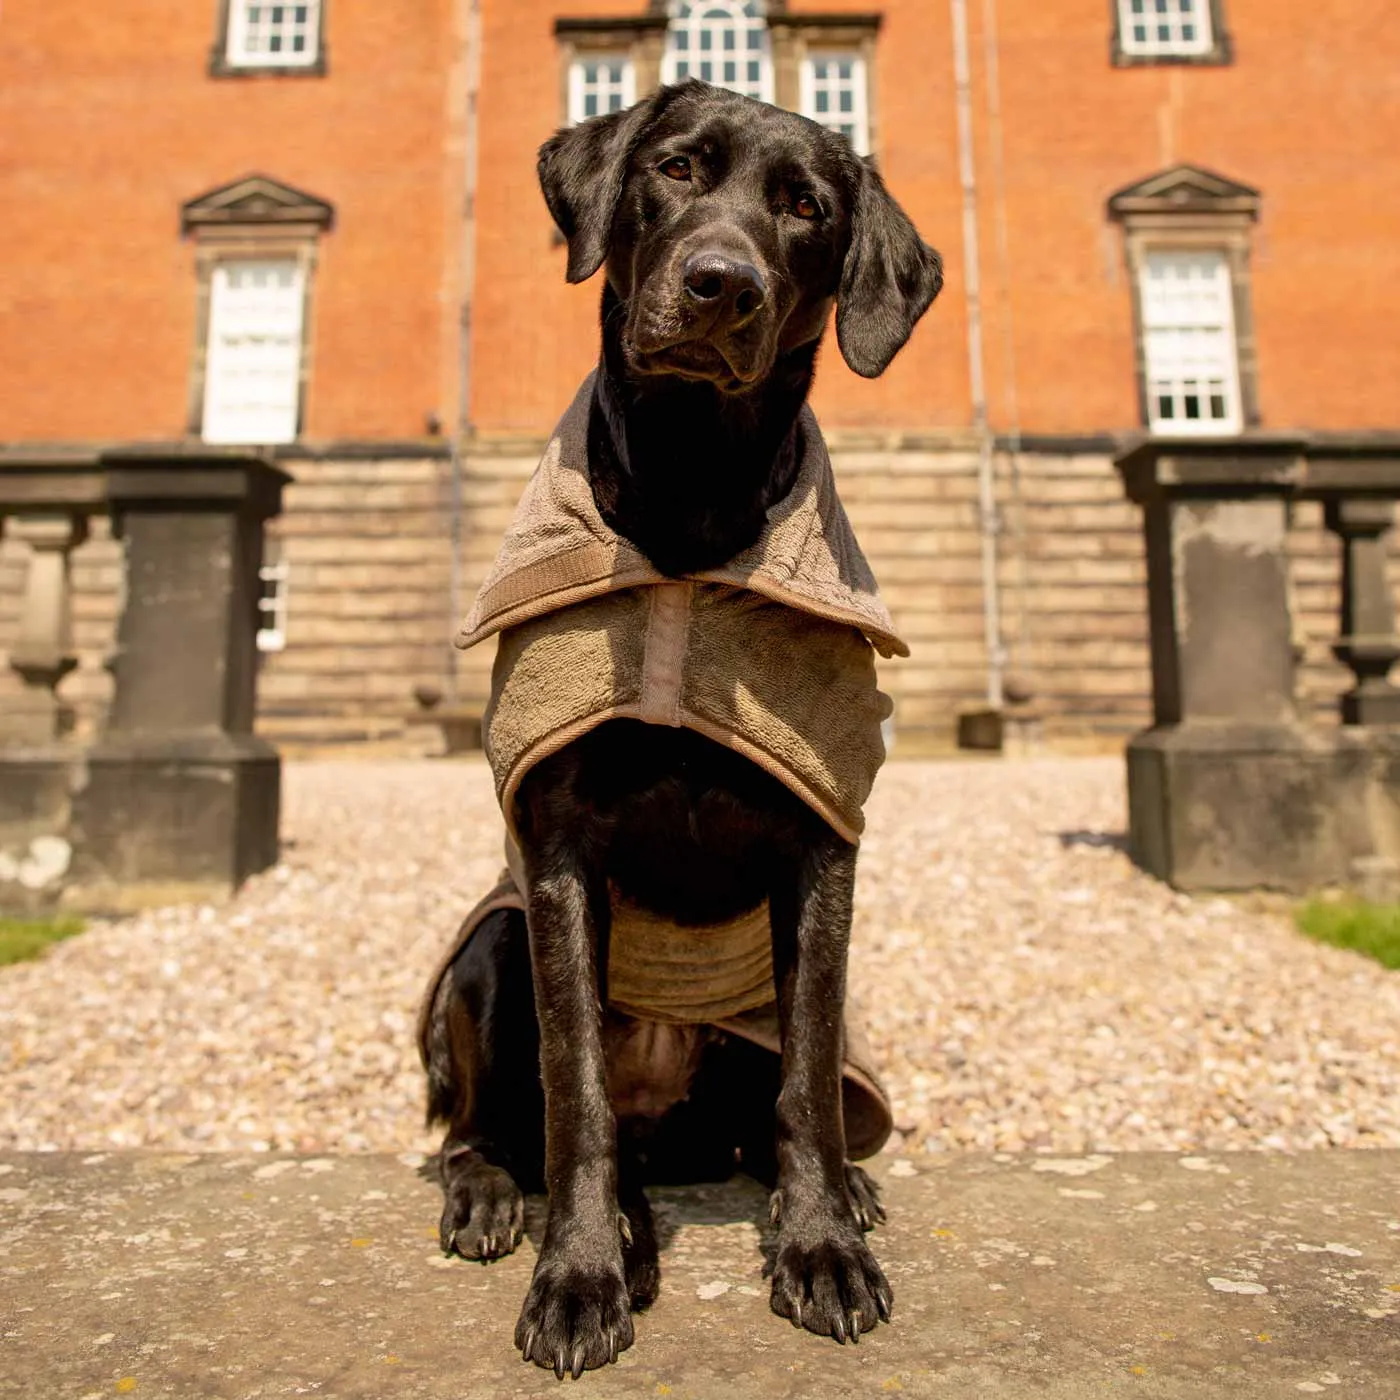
<point x="1157" y="215"/>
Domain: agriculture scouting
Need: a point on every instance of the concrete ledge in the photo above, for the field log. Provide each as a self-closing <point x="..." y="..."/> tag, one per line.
<point x="1258" y="1275"/>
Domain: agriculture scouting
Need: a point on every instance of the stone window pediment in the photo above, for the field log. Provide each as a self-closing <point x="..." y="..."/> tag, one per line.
<point x="1185" y="190"/>
<point x="256" y="200"/>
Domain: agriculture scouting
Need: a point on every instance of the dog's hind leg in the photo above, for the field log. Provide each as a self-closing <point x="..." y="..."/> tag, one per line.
<point x="641" y="1252"/>
<point x="483" y="1078"/>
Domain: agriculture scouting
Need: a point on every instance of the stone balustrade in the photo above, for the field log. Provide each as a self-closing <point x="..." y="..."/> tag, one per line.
<point x="176" y="798"/>
<point x="1230" y="789"/>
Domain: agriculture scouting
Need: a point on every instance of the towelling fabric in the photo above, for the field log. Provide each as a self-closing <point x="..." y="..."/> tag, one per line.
<point x="769" y="655"/>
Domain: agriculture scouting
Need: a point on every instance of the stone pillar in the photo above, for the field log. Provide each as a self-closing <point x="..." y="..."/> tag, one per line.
<point x="43" y="653"/>
<point x="1367" y="642"/>
<point x="182" y="799"/>
<point x="1228" y="790"/>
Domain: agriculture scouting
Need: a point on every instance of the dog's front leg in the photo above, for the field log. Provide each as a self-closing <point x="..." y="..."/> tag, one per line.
<point x="824" y="1276"/>
<point x="576" y="1314"/>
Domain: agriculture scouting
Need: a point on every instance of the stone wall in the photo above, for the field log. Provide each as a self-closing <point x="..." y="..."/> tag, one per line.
<point x="368" y="542"/>
<point x="368" y="548"/>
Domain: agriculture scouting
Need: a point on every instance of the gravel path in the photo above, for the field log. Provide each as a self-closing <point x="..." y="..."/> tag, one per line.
<point x="1024" y="986"/>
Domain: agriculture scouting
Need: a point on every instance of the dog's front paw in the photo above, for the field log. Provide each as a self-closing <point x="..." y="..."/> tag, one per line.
<point x="831" y="1285"/>
<point x="576" y="1316"/>
<point x="483" y="1213"/>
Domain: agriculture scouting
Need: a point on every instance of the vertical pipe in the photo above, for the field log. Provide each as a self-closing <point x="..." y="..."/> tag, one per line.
<point x="986" y="485"/>
<point x="1020" y="647"/>
<point x="462" y="428"/>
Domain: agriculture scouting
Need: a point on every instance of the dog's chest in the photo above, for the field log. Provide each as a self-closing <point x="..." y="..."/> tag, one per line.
<point x="650" y="1065"/>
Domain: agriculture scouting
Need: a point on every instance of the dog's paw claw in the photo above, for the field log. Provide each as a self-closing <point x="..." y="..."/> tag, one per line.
<point x="775" y="1209"/>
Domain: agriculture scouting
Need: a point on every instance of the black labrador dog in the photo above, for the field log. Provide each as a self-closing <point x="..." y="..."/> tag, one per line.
<point x="727" y="228"/>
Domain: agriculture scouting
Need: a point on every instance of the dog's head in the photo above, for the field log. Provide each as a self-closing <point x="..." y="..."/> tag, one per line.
<point x="728" y="227"/>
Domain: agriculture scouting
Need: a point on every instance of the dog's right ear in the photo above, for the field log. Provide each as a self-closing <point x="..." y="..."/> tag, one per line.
<point x="581" y="173"/>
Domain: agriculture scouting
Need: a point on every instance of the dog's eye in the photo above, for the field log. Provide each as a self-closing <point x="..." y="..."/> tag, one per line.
<point x="677" y="168"/>
<point x="805" y="207"/>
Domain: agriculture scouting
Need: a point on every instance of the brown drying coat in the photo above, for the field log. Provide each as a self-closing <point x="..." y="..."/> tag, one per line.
<point x="769" y="655"/>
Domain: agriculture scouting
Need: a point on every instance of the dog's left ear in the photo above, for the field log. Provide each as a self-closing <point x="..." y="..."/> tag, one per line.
<point x="888" y="280"/>
<point x="581" y="173"/>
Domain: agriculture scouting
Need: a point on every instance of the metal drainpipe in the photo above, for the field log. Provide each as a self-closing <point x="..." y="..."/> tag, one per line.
<point x="1019" y="649"/>
<point x="461" y="430"/>
<point x="986" y="484"/>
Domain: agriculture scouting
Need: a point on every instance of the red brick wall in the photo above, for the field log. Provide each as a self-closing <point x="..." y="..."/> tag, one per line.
<point x="1307" y="113"/>
<point x="109" y="121"/>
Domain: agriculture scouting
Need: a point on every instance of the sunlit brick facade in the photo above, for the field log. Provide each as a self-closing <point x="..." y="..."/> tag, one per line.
<point x="1185" y="221"/>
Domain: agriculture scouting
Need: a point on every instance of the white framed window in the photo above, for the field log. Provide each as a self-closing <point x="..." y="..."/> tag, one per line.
<point x="1164" y="28"/>
<point x="252" y="375"/>
<point x="833" y="92"/>
<point x="272" y="597"/>
<point x="599" y="84"/>
<point x="724" y="42"/>
<point x="263" y="35"/>
<point x="1190" y="353"/>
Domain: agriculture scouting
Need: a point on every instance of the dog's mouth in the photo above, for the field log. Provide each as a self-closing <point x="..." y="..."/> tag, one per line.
<point x="694" y="359"/>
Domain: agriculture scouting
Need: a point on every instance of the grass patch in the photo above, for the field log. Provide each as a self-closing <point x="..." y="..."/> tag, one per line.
<point x="27" y="938"/>
<point x="1372" y="929"/>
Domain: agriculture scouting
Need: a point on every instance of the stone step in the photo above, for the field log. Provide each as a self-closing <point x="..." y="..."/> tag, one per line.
<point x="1157" y="1276"/>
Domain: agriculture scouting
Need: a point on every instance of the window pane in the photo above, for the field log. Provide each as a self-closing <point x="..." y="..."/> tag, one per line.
<point x="253" y="354"/>
<point x="721" y="31"/>
<point x="1177" y="27"/>
<point x="1189" y="340"/>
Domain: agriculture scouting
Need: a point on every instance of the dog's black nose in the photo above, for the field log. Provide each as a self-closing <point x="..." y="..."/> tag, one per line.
<point x="724" y="283"/>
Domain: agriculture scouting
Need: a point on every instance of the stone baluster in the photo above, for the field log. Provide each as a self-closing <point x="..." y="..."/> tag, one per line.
<point x="1367" y="643"/>
<point x="43" y="652"/>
